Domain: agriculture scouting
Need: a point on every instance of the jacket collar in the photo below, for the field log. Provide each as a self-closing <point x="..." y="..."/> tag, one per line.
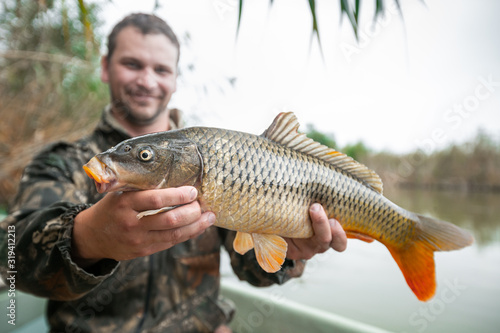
<point x="109" y="122"/>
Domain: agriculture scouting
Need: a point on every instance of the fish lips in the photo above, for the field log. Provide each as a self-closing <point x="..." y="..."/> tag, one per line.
<point x="104" y="177"/>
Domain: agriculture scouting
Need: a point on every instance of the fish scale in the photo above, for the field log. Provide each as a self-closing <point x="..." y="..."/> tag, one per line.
<point x="246" y="174"/>
<point x="262" y="187"/>
<point x="307" y="182"/>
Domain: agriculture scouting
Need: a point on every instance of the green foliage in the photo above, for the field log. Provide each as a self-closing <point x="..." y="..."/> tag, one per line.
<point x="49" y="42"/>
<point x="50" y="87"/>
<point x="357" y="151"/>
<point x="471" y="166"/>
<point x="348" y="8"/>
<point x="50" y="33"/>
<point x="325" y="139"/>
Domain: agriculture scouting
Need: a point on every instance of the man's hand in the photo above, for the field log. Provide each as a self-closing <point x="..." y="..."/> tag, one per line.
<point x="327" y="234"/>
<point x="111" y="229"/>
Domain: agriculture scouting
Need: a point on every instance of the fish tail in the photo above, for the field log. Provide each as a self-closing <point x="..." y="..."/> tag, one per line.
<point x="416" y="258"/>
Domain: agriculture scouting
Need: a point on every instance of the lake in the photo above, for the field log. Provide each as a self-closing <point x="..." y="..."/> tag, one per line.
<point x="364" y="283"/>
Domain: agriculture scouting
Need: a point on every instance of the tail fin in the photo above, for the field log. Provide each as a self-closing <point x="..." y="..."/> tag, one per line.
<point x="416" y="259"/>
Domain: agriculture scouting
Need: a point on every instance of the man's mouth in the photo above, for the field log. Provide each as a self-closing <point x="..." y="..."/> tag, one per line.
<point x="143" y="95"/>
<point x="140" y="96"/>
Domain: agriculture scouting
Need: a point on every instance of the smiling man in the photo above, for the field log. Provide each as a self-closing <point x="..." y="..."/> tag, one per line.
<point x="101" y="268"/>
<point x="141" y="83"/>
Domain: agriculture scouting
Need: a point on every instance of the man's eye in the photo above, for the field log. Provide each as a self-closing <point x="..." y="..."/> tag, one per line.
<point x="163" y="70"/>
<point x="132" y="65"/>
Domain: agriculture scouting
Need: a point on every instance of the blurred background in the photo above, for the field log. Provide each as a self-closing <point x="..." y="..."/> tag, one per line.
<point x="410" y="88"/>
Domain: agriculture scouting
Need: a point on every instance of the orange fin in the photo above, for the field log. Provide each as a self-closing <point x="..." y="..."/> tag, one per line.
<point x="416" y="258"/>
<point x="357" y="235"/>
<point x="417" y="265"/>
<point x="243" y="242"/>
<point x="270" y="251"/>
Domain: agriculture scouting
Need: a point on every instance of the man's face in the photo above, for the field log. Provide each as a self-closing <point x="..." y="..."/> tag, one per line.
<point x="142" y="75"/>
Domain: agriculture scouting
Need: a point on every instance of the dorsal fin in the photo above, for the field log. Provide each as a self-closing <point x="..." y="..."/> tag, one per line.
<point x="284" y="130"/>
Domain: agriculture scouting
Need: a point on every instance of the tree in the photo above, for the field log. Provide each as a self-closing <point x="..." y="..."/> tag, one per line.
<point x="325" y="139"/>
<point x="351" y="9"/>
<point x="357" y="151"/>
<point x="49" y="86"/>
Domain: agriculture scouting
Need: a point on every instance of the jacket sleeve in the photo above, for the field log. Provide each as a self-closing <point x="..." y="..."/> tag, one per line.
<point x="247" y="268"/>
<point x="52" y="192"/>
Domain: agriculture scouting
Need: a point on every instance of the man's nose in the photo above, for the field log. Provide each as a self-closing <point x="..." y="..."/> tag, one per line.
<point x="147" y="79"/>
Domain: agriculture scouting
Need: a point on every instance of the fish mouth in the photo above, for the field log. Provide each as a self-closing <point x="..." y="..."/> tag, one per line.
<point x="103" y="176"/>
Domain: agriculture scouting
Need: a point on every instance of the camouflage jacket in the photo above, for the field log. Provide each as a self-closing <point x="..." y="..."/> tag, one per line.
<point x="176" y="290"/>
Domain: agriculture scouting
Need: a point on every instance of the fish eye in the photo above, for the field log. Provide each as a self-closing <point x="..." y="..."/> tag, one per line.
<point x="146" y="155"/>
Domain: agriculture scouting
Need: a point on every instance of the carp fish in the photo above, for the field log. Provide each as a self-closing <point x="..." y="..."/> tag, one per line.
<point x="263" y="185"/>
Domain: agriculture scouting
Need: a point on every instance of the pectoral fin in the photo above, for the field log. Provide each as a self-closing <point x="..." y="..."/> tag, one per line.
<point x="243" y="242"/>
<point x="270" y="251"/>
<point x="154" y="211"/>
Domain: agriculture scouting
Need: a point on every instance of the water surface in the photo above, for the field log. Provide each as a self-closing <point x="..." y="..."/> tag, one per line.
<point x="365" y="284"/>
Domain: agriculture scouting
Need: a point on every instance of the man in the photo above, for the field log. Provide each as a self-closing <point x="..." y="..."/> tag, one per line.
<point x="100" y="267"/>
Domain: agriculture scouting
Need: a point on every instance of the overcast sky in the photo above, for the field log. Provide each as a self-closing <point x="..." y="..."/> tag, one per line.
<point x="421" y="80"/>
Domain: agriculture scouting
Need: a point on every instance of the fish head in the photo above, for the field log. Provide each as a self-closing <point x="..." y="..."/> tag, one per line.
<point x="152" y="161"/>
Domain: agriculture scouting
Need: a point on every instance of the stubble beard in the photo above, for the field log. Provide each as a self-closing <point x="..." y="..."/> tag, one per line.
<point x="125" y="111"/>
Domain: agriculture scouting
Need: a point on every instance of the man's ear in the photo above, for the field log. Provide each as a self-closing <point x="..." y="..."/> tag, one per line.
<point x="104" y="69"/>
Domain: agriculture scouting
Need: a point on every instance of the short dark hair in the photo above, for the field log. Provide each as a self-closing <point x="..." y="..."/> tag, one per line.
<point x="147" y="24"/>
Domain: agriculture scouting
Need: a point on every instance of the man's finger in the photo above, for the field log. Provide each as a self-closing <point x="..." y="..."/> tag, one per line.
<point x="173" y="218"/>
<point x="168" y="238"/>
<point x="321" y="226"/>
<point x="339" y="238"/>
<point x="157" y="199"/>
